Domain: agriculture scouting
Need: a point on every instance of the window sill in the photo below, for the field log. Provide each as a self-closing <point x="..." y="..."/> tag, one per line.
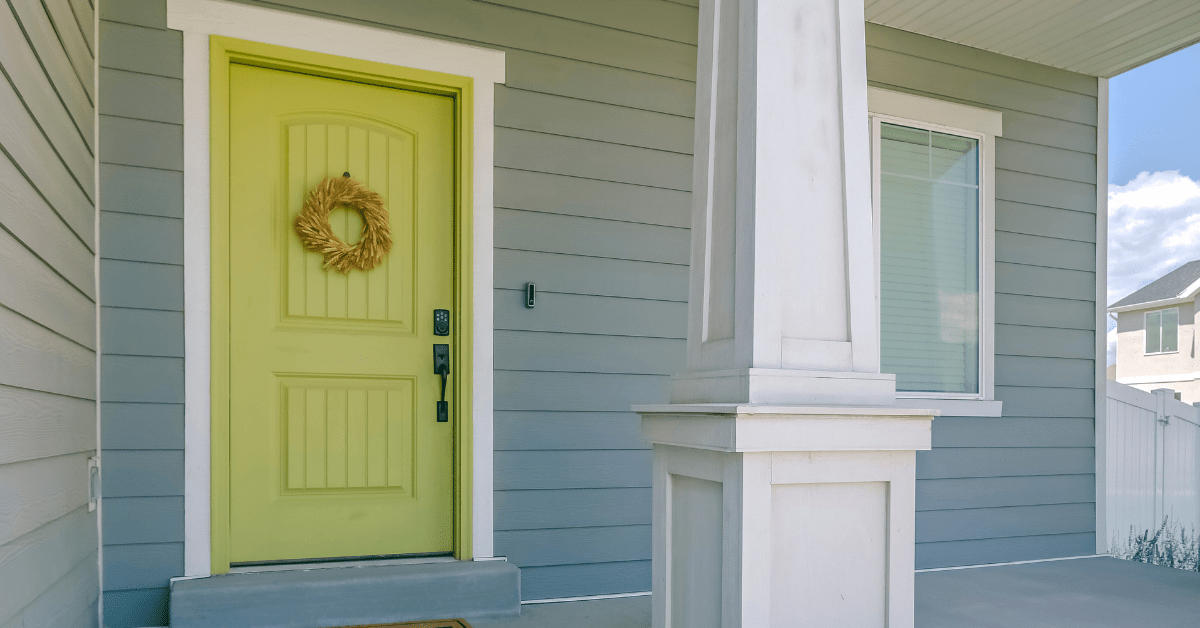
<point x="954" y="407"/>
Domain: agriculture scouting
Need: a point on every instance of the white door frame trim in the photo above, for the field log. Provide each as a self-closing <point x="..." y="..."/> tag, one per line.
<point x="198" y="19"/>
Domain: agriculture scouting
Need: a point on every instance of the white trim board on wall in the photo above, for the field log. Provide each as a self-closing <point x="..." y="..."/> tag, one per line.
<point x="198" y="19"/>
<point x="1101" y="397"/>
<point x="99" y="457"/>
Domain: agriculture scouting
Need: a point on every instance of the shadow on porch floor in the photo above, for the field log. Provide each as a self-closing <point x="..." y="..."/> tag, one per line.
<point x="1087" y="592"/>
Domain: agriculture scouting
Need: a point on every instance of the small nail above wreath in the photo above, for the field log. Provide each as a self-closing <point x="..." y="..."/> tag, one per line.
<point x="312" y="225"/>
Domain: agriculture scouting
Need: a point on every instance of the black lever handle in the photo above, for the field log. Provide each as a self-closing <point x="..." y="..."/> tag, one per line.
<point x="441" y="366"/>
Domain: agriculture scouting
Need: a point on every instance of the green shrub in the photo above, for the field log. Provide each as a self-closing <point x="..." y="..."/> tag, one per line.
<point x="1170" y="546"/>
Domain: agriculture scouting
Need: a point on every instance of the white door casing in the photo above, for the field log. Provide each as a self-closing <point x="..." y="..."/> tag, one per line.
<point x="199" y="19"/>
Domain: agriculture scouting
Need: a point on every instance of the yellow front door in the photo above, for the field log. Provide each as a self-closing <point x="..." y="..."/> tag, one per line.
<point x="334" y="445"/>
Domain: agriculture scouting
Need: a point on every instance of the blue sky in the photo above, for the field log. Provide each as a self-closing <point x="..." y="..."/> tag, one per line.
<point x="1152" y="118"/>
<point x="1153" y="173"/>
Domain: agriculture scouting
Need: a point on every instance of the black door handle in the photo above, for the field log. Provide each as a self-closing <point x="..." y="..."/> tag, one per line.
<point x="441" y="366"/>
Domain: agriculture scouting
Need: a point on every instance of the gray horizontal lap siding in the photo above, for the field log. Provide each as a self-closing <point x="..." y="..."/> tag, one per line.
<point x="141" y="294"/>
<point x="592" y="204"/>
<point x="49" y="577"/>
<point x="1021" y="486"/>
<point x="592" y="178"/>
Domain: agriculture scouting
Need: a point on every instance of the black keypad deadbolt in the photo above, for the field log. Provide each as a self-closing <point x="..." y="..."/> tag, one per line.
<point x="441" y="322"/>
<point x="441" y="366"/>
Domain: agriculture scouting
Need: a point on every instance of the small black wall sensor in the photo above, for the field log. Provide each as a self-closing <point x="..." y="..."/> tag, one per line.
<point x="530" y="295"/>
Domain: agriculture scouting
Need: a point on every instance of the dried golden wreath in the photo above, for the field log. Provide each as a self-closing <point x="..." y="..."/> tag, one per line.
<point x="312" y="224"/>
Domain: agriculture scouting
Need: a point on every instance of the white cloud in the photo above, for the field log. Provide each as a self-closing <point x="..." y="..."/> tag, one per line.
<point x="1153" y="228"/>
<point x="1161" y="190"/>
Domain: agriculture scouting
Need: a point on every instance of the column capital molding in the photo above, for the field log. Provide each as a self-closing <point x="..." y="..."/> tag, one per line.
<point x="732" y="427"/>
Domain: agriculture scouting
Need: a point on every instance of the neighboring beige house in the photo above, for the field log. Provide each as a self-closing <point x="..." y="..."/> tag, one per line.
<point x="1156" y="339"/>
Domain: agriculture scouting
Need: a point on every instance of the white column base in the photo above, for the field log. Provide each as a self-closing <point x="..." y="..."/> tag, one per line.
<point x="784" y="386"/>
<point x="783" y="516"/>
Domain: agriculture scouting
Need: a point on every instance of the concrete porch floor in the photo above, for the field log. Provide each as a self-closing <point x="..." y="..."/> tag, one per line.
<point x="1087" y="592"/>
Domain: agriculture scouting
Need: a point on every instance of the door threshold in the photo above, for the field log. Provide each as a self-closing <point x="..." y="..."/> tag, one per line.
<point x="342" y="564"/>
<point x="373" y="595"/>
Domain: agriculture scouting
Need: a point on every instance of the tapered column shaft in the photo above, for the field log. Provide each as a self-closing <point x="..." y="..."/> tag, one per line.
<point x="782" y="275"/>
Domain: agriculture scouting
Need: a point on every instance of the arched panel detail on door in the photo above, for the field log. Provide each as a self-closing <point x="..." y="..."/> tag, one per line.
<point x="383" y="157"/>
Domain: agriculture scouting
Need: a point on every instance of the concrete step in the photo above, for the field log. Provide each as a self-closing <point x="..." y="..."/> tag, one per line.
<point x="347" y="596"/>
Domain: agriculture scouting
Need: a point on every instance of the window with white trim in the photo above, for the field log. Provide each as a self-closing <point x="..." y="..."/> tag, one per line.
<point x="929" y="259"/>
<point x="932" y="177"/>
<point x="1162" y="331"/>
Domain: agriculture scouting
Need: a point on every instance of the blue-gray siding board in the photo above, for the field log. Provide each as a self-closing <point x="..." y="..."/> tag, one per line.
<point x="592" y="204"/>
<point x="49" y="576"/>
<point x="1021" y="486"/>
<point x="141" y="291"/>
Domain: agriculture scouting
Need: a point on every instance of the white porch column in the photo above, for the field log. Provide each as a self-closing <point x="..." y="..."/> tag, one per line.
<point x="784" y="478"/>
<point x="782" y="306"/>
<point x="782" y="516"/>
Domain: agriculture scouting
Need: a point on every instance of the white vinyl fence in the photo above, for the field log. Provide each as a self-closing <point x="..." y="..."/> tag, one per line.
<point x="1150" y="469"/>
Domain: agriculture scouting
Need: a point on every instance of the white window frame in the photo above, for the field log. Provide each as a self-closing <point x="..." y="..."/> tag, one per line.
<point x="985" y="126"/>
<point x="1146" y="330"/>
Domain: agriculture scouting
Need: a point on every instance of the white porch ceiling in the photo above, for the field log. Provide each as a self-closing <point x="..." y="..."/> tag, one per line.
<point x="1095" y="37"/>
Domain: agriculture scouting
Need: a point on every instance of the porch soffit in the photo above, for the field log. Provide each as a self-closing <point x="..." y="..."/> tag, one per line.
<point x="1094" y="37"/>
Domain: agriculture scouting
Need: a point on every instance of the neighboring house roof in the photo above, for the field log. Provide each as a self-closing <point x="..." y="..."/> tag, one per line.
<point x="1181" y="283"/>
<point x="1097" y="37"/>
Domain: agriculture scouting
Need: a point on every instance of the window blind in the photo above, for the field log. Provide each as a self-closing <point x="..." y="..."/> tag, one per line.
<point x="929" y="266"/>
<point x="1170" y="330"/>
